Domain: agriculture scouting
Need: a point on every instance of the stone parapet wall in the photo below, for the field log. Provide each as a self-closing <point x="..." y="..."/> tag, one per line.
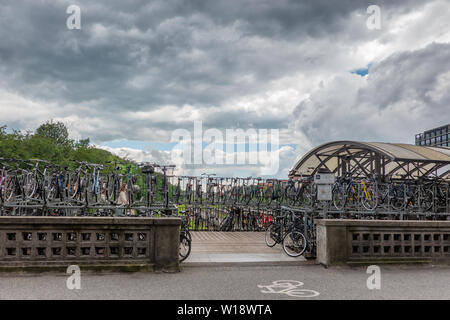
<point x="382" y="241"/>
<point x="151" y="243"/>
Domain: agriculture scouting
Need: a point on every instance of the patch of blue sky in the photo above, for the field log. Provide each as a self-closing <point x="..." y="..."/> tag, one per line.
<point x="362" y="71"/>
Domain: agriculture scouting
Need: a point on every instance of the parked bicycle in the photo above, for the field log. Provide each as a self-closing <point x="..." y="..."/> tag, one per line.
<point x="185" y="239"/>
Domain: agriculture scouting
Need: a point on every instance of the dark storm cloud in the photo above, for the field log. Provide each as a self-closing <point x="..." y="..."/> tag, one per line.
<point x="141" y="54"/>
<point x="242" y="119"/>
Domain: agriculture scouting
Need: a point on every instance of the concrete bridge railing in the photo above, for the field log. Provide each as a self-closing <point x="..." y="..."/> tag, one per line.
<point x="42" y="243"/>
<point x="381" y="241"/>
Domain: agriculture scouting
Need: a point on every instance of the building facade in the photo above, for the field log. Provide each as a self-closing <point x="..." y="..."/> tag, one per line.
<point x="438" y="137"/>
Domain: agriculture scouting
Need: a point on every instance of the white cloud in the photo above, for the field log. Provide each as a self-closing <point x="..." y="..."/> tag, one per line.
<point x="403" y="94"/>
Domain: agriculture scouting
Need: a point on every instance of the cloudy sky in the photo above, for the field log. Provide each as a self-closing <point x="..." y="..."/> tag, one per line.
<point x="138" y="70"/>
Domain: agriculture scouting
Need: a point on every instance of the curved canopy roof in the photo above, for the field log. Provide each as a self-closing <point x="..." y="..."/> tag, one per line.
<point x="365" y="157"/>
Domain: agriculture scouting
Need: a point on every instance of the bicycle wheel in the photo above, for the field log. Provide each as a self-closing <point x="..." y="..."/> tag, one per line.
<point x="397" y="198"/>
<point x="187" y="234"/>
<point x="339" y="198"/>
<point x="427" y="200"/>
<point x="30" y="185"/>
<point x="294" y="244"/>
<point x="370" y="199"/>
<point x="185" y="247"/>
<point x="269" y="238"/>
<point x="10" y="190"/>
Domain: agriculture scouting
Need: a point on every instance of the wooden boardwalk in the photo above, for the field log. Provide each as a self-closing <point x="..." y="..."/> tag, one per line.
<point x="230" y="242"/>
<point x="240" y="248"/>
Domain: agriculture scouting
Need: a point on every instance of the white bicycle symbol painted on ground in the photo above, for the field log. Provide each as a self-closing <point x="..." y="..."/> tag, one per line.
<point x="290" y="288"/>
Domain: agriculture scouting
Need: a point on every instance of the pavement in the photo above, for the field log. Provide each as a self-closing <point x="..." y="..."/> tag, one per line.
<point x="211" y="248"/>
<point x="307" y="282"/>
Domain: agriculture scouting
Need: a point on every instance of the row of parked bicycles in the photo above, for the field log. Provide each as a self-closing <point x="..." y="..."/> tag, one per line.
<point x="143" y="188"/>
<point x="254" y="191"/>
<point x="229" y="218"/>
<point x="295" y="231"/>
<point x="425" y="195"/>
<point x="36" y="183"/>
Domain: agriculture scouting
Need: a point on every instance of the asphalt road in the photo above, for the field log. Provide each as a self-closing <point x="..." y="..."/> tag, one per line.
<point x="397" y="282"/>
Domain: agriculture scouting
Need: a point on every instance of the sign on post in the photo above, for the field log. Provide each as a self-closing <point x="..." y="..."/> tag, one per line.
<point x="324" y="182"/>
<point x="324" y="178"/>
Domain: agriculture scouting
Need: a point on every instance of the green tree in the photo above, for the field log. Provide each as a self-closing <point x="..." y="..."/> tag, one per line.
<point x="51" y="142"/>
<point x="82" y="143"/>
<point x="57" y="131"/>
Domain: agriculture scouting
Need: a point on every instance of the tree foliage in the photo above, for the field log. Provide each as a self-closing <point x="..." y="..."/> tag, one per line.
<point x="51" y="142"/>
<point x="55" y="131"/>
